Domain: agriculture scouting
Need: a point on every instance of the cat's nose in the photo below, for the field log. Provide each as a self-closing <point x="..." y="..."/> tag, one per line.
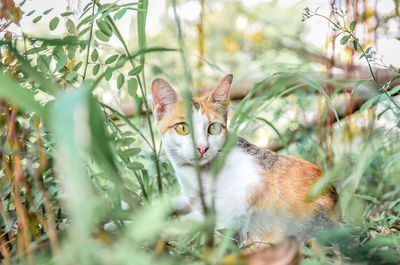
<point x="202" y="149"/>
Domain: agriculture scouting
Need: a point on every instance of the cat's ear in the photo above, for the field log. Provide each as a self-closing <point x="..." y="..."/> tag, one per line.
<point x="220" y="94"/>
<point x="164" y="97"/>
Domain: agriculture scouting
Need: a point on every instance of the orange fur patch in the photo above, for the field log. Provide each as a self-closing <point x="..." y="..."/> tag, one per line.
<point x="286" y="185"/>
<point x="173" y="116"/>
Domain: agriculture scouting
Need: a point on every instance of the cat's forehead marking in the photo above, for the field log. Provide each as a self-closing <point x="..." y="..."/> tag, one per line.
<point x="206" y="113"/>
<point x="195" y="104"/>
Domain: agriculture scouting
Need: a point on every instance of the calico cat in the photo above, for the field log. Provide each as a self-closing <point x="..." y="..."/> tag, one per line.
<point x="259" y="193"/>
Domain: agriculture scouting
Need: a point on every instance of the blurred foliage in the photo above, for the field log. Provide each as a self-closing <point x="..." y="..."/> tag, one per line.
<point x="240" y="37"/>
<point x="81" y="183"/>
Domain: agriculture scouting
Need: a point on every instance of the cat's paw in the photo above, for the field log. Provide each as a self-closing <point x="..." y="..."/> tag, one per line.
<point x="241" y="238"/>
<point x="180" y="205"/>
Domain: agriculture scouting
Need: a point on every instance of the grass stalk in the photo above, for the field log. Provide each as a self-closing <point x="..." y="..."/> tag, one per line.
<point x="90" y="41"/>
<point x="187" y="96"/>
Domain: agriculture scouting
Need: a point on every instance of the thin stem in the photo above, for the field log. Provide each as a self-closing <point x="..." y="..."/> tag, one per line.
<point x="188" y="109"/>
<point x="187" y="98"/>
<point x="90" y="40"/>
<point x="141" y="184"/>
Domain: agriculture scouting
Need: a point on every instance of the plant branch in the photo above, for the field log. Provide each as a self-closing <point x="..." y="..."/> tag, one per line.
<point x="146" y="105"/>
<point x="348" y="31"/>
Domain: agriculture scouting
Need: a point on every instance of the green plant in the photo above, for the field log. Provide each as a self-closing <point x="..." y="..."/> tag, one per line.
<point x="68" y="160"/>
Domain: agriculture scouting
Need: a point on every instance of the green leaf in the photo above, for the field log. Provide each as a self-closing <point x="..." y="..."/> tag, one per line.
<point x="78" y="65"/>
<point x="71" y="76"/>
<point x="84" y="21"/>
<point x="61" y="62"/>
<point x="94" y="56"/>
<point x="368" y="104"/>
<point x="101" y="36"/>
<point x="57" y="52"/>
<point x="366" y="53"/>
<point x="47" y="11"/>
<point x="82" y="44"/>
<point x="87" y="7"/>
<point x="37" y="19"/>
<point x="70" y="26"/>
<point x="345" y="39"/>
<point x="46" y="85"/>
<point x="358" y="83"/>
<point x="96" y="69"/>
<point x="383" y="97"/>
<point x="120" y="14"/>
<point x="128" y="133"/>
<point x="127" y="141"/>
<point x="111" y="59"/>
<point x="135" y="166"/>
<point x="394" y="90"/>
<point x="120" y="81"/>
<point x="35" y="50"/>
<point x="30" y="13"/>
<point x="13" y="92"/>
<point x="379" y="116"/>
<point x="108" y="73"/>
<point x="66" y="14"/>
<point x="130" y="152"/>
<point x="124" y="142"/>
<point x="136" y="70"/>
<point x="355" y="45"/>
<point x="368" y="50"/>
<point x="121" y="61"/>
<point x="43" y="63"/>
<point x="82" y="32"/>
<point x="132" y="87"/>
<point x="54" y="23"/>
<point x="353" y="25"/>
<point x="69" y="40"/>
<point x="315" y="85"/>
<point x="104" y="27"/>
<point x="71" y="51"/>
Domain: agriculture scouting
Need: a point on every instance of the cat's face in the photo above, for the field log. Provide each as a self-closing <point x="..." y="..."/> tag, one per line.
<point x="209" y="116"/>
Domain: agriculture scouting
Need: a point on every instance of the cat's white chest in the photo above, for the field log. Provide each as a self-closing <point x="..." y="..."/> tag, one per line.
<point x="231" y="189"/>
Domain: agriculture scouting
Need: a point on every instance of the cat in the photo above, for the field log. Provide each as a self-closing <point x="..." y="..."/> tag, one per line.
<point x="260" y="194"/>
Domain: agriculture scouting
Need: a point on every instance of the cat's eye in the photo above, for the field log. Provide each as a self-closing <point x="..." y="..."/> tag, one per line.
<point x="182" y="128"/>
<point x="215" y="128"/>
